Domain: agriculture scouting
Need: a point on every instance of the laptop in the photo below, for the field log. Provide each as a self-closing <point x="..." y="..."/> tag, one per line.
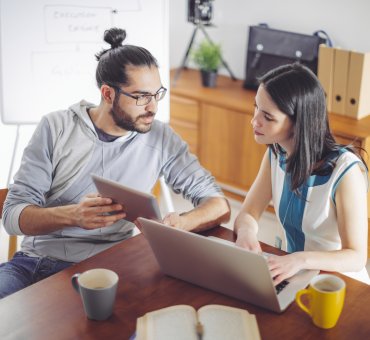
<point x="136" y="203"/>
<point x="220" y="266"/>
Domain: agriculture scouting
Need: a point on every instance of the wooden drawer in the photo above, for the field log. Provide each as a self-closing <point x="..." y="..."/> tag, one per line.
<point x="184" y="109"/>
<point x="188" y="132"/>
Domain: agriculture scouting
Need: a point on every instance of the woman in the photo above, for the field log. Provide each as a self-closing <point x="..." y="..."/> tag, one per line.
<point x="317" y="186"/>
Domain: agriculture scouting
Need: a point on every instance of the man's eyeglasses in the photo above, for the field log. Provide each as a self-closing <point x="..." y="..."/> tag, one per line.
<point x="144" y="99"/>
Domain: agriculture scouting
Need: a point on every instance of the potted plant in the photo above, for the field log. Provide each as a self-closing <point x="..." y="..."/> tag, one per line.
<point x="208" y="57"/>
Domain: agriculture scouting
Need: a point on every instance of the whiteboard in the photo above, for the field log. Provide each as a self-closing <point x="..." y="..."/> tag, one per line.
<point x="48" y="47"/>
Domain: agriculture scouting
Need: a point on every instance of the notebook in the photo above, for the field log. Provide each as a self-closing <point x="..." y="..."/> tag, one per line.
<point x="136" y="203"/>
<point x="220" y="266"/>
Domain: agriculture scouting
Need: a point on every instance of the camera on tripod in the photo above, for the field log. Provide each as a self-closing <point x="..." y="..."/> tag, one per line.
<point x="200" y="11"/>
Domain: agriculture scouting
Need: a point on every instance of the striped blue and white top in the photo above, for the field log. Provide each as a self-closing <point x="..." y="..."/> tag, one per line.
<point x="310" y="221"/>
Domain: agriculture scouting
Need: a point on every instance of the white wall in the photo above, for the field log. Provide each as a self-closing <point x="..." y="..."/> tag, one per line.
<point x="347" y="22"/>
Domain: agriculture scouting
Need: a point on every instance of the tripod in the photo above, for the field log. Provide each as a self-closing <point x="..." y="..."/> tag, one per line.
<point x="199" y="26"/>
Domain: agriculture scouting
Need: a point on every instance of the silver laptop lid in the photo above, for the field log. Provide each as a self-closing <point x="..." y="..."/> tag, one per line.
<point x="223" y="268"/>
<point x="210" y="264"/>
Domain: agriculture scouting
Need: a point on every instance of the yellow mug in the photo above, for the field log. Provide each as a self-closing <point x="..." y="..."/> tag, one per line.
<point x="325" y="300"/>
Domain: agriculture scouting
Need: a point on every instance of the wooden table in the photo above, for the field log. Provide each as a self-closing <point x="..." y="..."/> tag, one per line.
<point x="51" y="309"/>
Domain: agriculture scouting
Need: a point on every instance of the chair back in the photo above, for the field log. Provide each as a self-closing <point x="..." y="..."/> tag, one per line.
<point x="3" y="193"/>
<point x="13" y="238"/>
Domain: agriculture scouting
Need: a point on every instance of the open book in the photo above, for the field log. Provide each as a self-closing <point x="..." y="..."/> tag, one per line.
<point x="180" y="323"/>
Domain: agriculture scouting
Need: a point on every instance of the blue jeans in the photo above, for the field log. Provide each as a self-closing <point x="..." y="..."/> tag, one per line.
<point x="22" y="271"/>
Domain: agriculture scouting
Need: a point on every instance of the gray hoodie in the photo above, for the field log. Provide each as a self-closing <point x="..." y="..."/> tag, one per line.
<point x="56" y="167"/>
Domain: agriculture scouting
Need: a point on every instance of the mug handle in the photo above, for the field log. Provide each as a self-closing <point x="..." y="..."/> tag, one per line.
<point x="300" y="303"/>
<point x="75" y="282"/>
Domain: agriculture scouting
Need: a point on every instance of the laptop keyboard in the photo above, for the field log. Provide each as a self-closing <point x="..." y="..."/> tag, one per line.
<point x="281" y="286"/>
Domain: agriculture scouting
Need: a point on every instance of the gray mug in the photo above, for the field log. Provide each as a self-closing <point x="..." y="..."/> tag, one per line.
<point x="97" y="288"/>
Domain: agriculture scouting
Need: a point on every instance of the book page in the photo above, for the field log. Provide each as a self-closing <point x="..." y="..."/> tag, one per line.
<point x="222" y="322"/>
<point x="176" y="322"/>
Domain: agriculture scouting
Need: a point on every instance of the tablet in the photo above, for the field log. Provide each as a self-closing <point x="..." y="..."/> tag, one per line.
<point x="136" y="203"/>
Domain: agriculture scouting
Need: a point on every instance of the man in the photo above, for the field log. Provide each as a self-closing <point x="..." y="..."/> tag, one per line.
<point x="52" y="201"/>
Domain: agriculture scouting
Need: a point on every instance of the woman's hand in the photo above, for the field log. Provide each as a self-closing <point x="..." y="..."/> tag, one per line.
<point x="285" y="266"/>
<point x="248" y="239"/>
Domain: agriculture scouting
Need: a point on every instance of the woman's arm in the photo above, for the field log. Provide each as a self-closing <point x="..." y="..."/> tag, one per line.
<point x="351" y="207"/>
<point x="255" y="203"/>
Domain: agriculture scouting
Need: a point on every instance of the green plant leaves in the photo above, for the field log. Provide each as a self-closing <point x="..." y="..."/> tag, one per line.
<point x="207" y="56"/>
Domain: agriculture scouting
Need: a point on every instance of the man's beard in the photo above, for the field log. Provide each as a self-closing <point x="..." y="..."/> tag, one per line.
<point x="125" y="121"/>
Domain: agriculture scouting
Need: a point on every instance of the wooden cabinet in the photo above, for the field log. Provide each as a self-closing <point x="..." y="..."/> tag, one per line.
<point x="216" y="124"/>
<point x="185" y="120"/>
<point x="227" y="146"/>
<point x="224" y="140"/>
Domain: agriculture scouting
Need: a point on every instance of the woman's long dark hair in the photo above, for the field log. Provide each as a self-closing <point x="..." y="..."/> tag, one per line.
<point x="297" y="92"/>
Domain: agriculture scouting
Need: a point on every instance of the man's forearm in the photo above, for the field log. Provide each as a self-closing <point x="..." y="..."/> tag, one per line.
<point x="91" y="213"/>
<point x="212" y="212"/>
<point x="40" y="221"/>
